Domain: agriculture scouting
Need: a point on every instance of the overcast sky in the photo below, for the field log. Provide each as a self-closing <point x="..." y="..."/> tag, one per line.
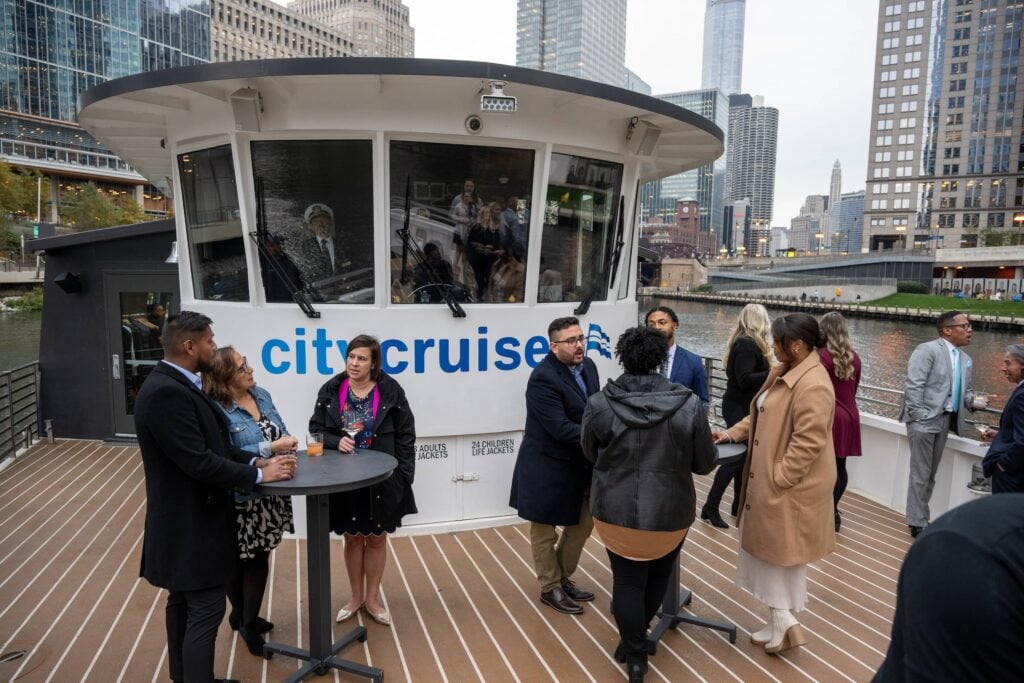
<point x="811" y="59"/>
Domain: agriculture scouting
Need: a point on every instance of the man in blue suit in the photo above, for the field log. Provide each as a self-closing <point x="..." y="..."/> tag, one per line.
<point x="680" y="366"/>
<point x="1004" y="461"/>
<point x="551" y="482"/>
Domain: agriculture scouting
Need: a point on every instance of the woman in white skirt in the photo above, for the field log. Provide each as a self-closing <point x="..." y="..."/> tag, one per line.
<point x="785" y="517"/>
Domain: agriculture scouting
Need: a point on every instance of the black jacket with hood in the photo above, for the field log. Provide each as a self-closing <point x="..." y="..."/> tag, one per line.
<point x="646" y="437"/>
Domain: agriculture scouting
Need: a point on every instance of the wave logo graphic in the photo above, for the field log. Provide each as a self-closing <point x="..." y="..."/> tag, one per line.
<point x="598" y="341"/>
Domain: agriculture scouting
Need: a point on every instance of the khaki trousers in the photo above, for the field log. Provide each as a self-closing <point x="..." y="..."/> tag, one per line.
<point x="555" y="557"/>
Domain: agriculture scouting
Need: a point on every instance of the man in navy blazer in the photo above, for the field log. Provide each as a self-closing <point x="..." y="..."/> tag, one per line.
<point x="551" y="482"/>
<point x="680" y="366"/>
<point x="190" y="543"/>
<point x="1004" y="461"/>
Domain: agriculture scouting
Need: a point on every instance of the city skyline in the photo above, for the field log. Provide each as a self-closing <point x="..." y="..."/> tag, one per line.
<point x="820" y="83"/>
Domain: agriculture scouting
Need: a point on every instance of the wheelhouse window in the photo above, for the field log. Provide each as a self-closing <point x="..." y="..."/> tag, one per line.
<point x="314" y="222"/>
<point x="213" y="224"/>
<point x="580" y="216"/>
<point x="467" y="212"/>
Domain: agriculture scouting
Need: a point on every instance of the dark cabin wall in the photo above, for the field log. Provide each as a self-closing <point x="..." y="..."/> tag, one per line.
<point x="74" y="354"/>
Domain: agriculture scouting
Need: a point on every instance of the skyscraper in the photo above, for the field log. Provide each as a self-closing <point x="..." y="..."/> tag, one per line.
<point x="706" y="184"/>
<point x="52" y="50"/>
<point x="848" y="223"/>
<point x="946" y="150"/>
<point x="753" y="141"/>
<point x="574" y="38"/>
<point x="377" y="29"/>
<point x="722" y="65"/>
<point x="835" y="191"/>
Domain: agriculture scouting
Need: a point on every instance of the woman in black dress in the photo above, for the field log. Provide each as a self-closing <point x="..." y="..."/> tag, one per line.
<point x="367" y="400"/>
<point x="254" y="425"/>
<point x="747" y="363"/>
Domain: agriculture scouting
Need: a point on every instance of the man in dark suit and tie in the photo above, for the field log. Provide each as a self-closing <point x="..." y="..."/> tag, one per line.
<point x="551" y="482"/>
<point x="190" y="532"/>
<point x="937" y="392"/>
<point x="680" y="366"/>
<point x="1004" y="461"/>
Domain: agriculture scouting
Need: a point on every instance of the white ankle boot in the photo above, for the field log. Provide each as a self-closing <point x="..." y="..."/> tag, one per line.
<point x="764" y="635"/>
<point x="786" y="632"/>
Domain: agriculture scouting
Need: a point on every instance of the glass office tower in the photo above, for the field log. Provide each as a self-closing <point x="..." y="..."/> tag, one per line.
<point x="52" y="50"/>
<point x="722" y="64"/>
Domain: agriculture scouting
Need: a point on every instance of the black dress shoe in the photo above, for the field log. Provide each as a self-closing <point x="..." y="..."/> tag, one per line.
<point x="714" y="518"/>
<point x="558" y="600"/>
<point x="839" y="520"/>
<point x="577" y="593"/>
<point x="915" y="530"/>
<point x="253" y="641"/>
<point x="259" y="624"/>
<point x="637" y="669"/>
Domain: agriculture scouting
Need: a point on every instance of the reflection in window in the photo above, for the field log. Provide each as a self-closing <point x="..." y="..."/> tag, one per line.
<point x="315" y="209"/>
<point x="214" y="227"/>
<point x="582" y="197"/>
<point x="142" y="324"/>
<point x="469" y="217"/>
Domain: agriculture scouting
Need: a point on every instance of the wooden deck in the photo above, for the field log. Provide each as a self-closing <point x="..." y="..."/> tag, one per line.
<point x="465" y="605"/>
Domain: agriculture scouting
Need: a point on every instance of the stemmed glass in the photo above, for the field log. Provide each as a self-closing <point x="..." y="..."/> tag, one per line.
<point x="352" y="426"/>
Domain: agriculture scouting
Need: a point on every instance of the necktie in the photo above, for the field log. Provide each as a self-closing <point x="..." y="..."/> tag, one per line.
<point x="956" y="380"/>
<point x="580" y="382"/>
<point x="664" y="366"/>
<point x="323" y="247"/>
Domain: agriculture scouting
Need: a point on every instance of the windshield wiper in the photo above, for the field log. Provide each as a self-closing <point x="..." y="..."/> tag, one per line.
<point x="607" y="264"/>
<point x="260" y="237"/>
<point x="410" y="246"/>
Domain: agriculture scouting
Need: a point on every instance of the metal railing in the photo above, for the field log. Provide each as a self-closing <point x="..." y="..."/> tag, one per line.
<point x="871" y="399"/>
<point x="19" y="408"/>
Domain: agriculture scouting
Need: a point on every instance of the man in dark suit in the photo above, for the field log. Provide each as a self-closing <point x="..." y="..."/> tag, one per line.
<point x="680" y="366"/>
<point x="1004" y="461"/>
<point x="551" y="482"/>
<point x="190" y="541"/>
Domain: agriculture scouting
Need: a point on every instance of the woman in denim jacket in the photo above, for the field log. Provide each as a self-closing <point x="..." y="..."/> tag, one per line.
<point x="253" y="425"/>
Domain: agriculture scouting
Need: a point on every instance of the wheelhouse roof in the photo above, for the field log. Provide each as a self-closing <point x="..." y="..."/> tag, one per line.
<point x="136" y="115"/>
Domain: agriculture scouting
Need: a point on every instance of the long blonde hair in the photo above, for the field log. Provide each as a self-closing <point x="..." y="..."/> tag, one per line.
<point x="837" y="341"/>
<point x="753" y="322"/>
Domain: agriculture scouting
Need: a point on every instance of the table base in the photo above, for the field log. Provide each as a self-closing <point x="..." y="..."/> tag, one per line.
<point x="671" y="613"/>
<point x="322" y="666"/>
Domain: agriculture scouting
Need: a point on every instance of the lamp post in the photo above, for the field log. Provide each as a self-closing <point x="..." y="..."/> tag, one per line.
<point x="1018" y="218"/>
<point x="819" y="236"/>
<point x="902" y="230"/>
<point x="763" y="241"/>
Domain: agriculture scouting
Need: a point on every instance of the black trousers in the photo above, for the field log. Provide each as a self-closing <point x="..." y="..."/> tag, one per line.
<point x="732" y="472"/>
<point x="638" y="588"/>
<point x="192" y="621"/>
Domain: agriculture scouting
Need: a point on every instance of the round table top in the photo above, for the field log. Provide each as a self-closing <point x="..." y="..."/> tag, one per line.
<point x="729" y="453"/>
<point x="333" y="472"/>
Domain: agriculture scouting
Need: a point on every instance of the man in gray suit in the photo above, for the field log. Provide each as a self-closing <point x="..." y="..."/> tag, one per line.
<point x="938" y="389"/>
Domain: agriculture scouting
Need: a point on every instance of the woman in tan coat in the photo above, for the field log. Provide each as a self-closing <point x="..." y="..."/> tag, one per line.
<point x="786" y="502"/>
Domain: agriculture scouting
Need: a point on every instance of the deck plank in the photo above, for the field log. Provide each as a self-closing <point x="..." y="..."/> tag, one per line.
<point x="464" y="605"/>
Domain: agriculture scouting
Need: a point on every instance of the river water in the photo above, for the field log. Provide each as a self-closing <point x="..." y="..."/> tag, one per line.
<point x="19" y="338"/>
<point x="884" y="346"/>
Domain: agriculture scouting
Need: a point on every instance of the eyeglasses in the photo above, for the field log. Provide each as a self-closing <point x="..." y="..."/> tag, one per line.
<point x="966" y="326"/>
<point x="244" y="367"/>
<point x="572" y="341"/>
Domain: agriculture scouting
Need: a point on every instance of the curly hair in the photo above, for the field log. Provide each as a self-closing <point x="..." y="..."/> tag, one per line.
<point x="217" y="382"/>
<point x="753" y="322"/>
<point x="837" y="340"/>
<point x="641" y="350"/>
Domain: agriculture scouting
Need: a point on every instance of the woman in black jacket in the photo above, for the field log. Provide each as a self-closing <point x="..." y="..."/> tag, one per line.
<point x="646" y="436"/>
<point x="363" y="398"/>
<point x="747" y="363"/>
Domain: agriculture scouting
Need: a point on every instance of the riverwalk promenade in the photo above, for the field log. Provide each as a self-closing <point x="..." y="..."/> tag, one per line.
<point x="826" y="304"/>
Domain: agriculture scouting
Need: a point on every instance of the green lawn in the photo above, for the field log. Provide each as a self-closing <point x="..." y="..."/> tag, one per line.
<point x="946" y="303"/>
